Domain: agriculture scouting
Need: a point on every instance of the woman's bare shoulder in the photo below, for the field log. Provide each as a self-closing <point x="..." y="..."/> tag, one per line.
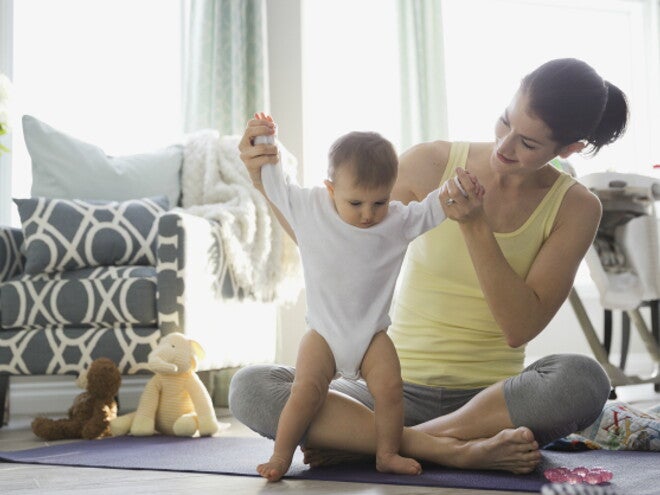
<point x="428" y="149"/>
<point x="420" y="169"/>
<point x="581" y="206"/>
<point x="582" y="195"/>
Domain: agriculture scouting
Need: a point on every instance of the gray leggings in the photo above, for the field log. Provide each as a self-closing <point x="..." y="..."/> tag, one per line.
<point x="554" y="396"/>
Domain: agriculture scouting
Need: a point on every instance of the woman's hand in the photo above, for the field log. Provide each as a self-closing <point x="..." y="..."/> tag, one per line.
<point x="462" y="196"/>
<point x="256" y="156"/>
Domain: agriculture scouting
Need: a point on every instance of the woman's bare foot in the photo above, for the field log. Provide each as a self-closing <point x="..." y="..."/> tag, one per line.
<point x="510" y="450"/>
<point x="274" y="469"/>
<point x="513" y="450"/>
<point x="394" y="463"/>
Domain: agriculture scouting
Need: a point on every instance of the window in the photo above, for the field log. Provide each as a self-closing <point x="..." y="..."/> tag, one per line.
<point x="350" y="75"/>
<point x="509" y="38"/>
<point x="351" y="81"/>
<point x="106" y="72"/>
<point x="350" y="72"/>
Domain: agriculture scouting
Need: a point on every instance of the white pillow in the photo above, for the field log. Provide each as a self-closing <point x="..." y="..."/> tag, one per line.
<point x="65" y="168"/>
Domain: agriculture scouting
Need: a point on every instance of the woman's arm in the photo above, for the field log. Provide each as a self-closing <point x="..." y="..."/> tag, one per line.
<point x="420" y="170"/>
<point x="524" y="307"/>
<point x="256" y="156"/>
<point x="521" y="307"/>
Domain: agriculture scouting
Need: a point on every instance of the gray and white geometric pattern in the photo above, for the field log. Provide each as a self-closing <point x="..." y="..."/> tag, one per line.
<point x="56" y="350"/>
<point x="11" y="259"/>
<point x="57" y="323"/>
<point x="72" y="234"/>
<point x="103" y="295"/>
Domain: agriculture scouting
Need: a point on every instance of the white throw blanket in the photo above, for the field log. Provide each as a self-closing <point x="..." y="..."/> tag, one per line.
<point x="261" y="258"/>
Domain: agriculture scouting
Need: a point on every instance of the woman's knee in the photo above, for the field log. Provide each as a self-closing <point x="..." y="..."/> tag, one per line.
<point x="257" y="395"/>
<point x="587" y="385"/>
<point x="557" y="395"/>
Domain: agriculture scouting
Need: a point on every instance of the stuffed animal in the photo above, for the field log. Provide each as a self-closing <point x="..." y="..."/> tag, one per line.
<point x="174" y="401"/>
<point x="89" y="416"/>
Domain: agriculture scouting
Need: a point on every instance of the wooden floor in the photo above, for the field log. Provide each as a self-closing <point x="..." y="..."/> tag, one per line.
<point x="34" y="479"/>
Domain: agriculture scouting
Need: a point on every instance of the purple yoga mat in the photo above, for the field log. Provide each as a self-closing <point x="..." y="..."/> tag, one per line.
<point x="634" y="472"/>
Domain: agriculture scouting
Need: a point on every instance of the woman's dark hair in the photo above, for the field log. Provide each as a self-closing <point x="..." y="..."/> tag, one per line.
<point x="371" y="157"/>
<point x="576" y="103"/>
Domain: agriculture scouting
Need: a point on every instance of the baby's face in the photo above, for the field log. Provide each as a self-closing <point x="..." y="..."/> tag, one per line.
<point x="359" y="206"/>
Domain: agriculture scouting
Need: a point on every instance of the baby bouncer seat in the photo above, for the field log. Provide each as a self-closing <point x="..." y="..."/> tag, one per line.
<point x="624" y="263"/>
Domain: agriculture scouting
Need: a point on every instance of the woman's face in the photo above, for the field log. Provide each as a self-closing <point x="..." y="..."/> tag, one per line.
<point x="523" y="141"/>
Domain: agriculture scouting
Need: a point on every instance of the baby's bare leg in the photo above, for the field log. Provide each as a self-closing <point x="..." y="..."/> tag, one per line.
<point x="381" y="370"/>
<point x="315" y="368"/>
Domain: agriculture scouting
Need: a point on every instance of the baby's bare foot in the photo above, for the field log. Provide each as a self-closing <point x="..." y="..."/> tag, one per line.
<point x="274" y="469"/>
<point x="510" y="450"/>
<point x="394" y="463"/>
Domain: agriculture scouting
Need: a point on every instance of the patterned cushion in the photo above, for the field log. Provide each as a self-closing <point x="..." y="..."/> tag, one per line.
<point x="11" y="258"/>
<point x="56" y="350"/>
<point x="105" y="296"/>
<point x="71" y="234"/>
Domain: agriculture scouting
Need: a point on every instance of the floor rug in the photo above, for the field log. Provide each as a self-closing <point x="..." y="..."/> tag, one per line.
<point x="635" y="473"/>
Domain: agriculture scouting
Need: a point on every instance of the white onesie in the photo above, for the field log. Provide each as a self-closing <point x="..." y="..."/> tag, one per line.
<point x="350" y="273"/>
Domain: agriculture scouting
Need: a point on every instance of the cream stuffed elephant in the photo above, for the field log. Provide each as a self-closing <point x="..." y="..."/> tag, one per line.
<point x="174" y="401"/>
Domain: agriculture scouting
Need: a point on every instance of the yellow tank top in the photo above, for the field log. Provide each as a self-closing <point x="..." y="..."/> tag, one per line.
<point x="442" y="327"/>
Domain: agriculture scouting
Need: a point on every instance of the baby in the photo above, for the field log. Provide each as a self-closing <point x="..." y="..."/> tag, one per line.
<point x="352" y="242"/>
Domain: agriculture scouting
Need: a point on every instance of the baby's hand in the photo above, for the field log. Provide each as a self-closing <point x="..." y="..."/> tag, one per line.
<point x="479" y="190"/>
<point x="462" y="196"/>
<point x="264" y="139"/>
<point x="257" y="146"/>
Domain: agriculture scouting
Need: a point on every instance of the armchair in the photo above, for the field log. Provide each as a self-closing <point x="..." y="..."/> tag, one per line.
<point x="57" y="323"/>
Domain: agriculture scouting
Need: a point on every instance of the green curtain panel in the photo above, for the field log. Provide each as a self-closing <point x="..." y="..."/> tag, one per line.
<point x="424" y="93"/>
<point x="225" y="64"/>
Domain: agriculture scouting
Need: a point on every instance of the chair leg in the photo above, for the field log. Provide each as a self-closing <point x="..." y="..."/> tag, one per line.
<point x="655" y="328"/>
<point x="625" y="339"/>
<point x="4" y="399"/>
<point x="655" y="315"/>
<point x="607" y="341"/>
<point x="607" y="330"/>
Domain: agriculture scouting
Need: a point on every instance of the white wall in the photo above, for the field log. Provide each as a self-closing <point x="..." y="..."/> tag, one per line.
<point x="285" y="61"/>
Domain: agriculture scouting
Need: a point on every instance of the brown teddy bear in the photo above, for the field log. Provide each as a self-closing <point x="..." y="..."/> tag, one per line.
<point x="89" y="416"/>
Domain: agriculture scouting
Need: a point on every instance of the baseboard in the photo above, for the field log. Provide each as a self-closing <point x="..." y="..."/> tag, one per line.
<point x="51" y="395"/>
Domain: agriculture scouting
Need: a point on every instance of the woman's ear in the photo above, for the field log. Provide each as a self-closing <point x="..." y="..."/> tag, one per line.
<point x="568" y="150"/>
<point x="330" y="187"/>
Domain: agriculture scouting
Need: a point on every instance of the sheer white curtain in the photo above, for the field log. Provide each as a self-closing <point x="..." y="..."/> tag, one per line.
<point x="423" y="90"/>
<point x="225" y="64"/>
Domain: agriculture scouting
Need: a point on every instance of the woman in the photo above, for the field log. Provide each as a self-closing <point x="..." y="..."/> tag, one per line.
<point x="475" y="290"/>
